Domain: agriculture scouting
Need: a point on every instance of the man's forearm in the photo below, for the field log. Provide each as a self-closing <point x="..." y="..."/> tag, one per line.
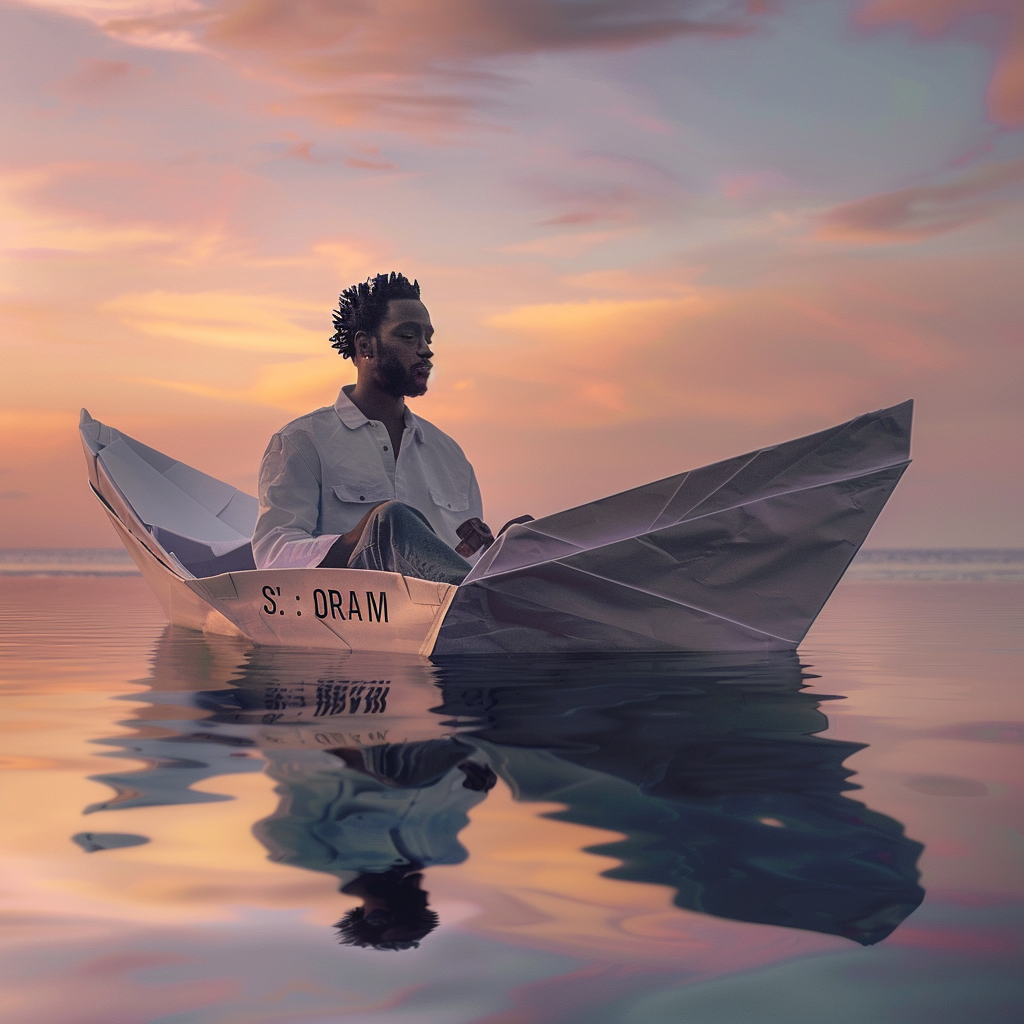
<point x="290" y="548"/>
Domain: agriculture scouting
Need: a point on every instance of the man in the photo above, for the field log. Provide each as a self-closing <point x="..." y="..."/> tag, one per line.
<point x="365" y="484"/>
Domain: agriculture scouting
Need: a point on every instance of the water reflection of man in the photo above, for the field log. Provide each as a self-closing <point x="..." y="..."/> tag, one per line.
<point x="375" y="817"/>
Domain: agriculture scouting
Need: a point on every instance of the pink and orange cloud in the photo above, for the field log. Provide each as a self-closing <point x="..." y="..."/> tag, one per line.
<point x="921" y="211"/>
<point x="401" y="62"/>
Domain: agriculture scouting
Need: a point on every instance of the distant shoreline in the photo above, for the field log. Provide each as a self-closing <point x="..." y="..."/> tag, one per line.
<point x="870" y="565"/>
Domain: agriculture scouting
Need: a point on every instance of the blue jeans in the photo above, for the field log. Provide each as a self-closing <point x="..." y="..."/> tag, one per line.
<point x="398" y="538"/>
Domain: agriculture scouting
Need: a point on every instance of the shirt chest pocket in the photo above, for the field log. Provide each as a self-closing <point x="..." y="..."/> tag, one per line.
<point x="367" y="493"/>
<point x="450" y="499"/>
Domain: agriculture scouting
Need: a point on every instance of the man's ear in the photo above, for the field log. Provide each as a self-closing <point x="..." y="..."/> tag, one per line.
<point x="364" y="343"/>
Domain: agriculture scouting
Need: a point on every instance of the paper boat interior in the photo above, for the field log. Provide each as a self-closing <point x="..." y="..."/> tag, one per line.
<point x="740" y="555"/>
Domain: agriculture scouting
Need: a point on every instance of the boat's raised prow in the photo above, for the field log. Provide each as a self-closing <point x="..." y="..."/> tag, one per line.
<point x="740" y="555"/>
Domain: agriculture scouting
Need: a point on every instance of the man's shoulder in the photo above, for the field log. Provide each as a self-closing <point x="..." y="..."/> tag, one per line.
<point x="309" y="422"/>
<point x="304" y="435"/>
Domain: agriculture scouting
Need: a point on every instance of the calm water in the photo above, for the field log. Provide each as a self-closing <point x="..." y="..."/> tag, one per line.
<point x="837" y="838"/>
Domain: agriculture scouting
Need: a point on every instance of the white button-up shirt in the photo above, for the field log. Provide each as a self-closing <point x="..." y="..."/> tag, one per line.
<point x="323" y="472"/>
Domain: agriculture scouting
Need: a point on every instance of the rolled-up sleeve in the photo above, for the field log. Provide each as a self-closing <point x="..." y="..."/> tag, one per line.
<point x="289" y="489"/>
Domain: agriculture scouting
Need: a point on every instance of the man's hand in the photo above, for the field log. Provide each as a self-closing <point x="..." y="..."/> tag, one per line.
<point x="475" y="534"/>
<point x="479" y="777"/>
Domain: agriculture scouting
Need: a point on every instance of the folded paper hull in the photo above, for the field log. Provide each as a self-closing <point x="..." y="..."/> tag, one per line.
<point x="740" y="555"/>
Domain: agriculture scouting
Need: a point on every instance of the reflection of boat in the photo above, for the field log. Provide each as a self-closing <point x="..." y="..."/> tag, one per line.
<point x="221" y="701"/>
<point x="709" y="767"/>
<point x="739" y="555"/>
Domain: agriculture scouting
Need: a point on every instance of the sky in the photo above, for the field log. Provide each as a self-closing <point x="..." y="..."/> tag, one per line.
<point x="651" y="234"/>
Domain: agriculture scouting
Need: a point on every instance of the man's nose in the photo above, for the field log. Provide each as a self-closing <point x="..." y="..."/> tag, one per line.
<point x="424" y="349"/>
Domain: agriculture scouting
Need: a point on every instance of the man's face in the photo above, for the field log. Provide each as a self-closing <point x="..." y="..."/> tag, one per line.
<point x="403" y="356"/>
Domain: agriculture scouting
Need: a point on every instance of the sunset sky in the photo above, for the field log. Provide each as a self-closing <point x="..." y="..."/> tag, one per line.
<point x="651" y="234"/>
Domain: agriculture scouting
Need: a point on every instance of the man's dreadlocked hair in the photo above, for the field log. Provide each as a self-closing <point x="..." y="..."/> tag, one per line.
<point x="354" y="930"/>
<point x="363" y="306"/>
<point x="407" y="911"/>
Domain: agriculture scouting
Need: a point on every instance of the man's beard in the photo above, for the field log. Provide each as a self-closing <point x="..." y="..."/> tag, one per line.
<point x="394" y="379"/>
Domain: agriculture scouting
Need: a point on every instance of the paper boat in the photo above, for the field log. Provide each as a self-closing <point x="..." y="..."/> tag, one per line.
<point x="740" y="555"/>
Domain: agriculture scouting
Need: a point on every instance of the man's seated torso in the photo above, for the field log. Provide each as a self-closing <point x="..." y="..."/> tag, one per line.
<point x="323" y="471"/>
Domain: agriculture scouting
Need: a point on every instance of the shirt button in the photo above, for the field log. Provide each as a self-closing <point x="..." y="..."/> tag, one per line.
<point x="385" y="447"/>
<point x="361" y="498"/>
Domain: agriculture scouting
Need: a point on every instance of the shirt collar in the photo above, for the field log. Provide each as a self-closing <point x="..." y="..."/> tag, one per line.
<point x="353" y="418"/>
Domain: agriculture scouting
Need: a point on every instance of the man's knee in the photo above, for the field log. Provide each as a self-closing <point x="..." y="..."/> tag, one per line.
<point x="395" y="512"/>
